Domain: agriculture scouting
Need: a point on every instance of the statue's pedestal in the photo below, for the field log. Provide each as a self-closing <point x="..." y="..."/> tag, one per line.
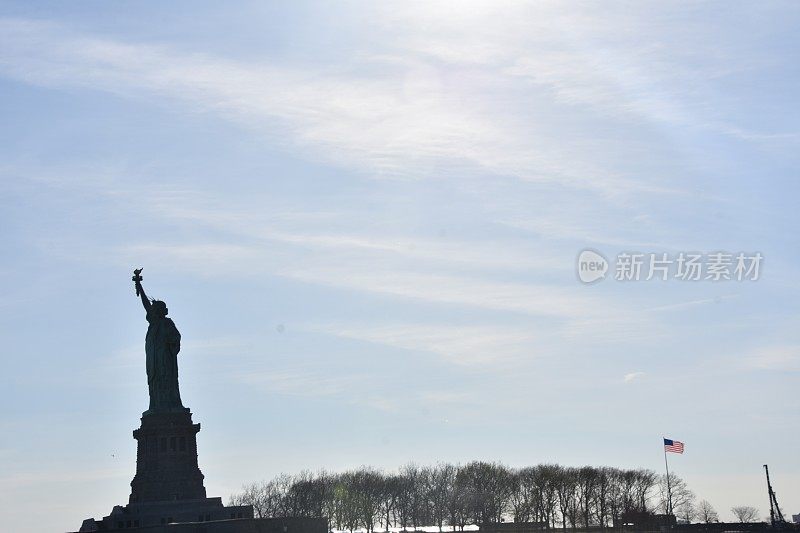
<point x="168" y="485"/>
<point x="166" y="458"/>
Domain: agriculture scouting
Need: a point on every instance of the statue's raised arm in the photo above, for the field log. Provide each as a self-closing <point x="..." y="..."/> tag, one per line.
<point x="137" y="279"/>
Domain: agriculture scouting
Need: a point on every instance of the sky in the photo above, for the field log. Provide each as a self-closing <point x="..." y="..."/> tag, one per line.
<point x="365" y="217"/>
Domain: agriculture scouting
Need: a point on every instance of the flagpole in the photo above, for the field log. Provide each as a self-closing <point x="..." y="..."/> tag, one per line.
<point x="669" y="491"/>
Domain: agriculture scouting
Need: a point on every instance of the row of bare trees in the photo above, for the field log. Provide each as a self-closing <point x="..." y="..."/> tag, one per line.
<point x="455" y="496"/>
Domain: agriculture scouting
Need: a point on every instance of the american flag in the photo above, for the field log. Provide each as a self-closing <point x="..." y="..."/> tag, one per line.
<point x="673" y="446"/>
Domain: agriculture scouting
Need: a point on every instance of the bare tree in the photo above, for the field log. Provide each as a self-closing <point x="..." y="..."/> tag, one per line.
<point x="333" y="505"/>
<point x="348" y="501"/>
<point x="586" y="485"/>
<point x="408" y="497"/>
<point x="488" y="487"/>
<point x="520" y="500"/>
<point x="440" y="481"/>
<point x="604" y="495"/>
<point x="251" y="495"/>
<point x="306" y="495"/>
<point x="645" y="480"/>
<point x="745" y="513"/>
<point x="277" y="495"/>
<point x="267" y="498"/>
<point x="457" y="502"/>
<point x="676" y="492"/>
<point x="391" y="498"/>
<point x="627" y="492"/>
<point x="368" y="486"/>
<point x="413" y="496"/>
<point x="686" y="511"/>
<point x="706" y="512"/>
<point x="565" y="493"/>
<point x="547" y="479"/>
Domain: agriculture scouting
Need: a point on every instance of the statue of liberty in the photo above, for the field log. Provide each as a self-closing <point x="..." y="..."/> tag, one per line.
<point x="162" y="344"/>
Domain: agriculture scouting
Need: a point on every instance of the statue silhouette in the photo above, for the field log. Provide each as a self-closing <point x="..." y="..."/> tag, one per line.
<point x="162" y="344"/>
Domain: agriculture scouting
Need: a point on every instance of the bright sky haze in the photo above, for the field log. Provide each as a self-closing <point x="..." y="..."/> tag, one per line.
<point x="365" y="219"/>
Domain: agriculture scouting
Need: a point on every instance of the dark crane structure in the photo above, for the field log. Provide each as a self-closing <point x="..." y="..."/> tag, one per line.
<point x="775" y="514"/>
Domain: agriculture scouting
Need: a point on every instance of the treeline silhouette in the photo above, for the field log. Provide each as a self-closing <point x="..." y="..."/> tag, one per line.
<point x="478" y="493"/>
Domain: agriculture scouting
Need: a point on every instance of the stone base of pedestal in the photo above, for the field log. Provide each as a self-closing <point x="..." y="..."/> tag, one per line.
<point x="152" y="514"/>
<point x="231" y="525"/>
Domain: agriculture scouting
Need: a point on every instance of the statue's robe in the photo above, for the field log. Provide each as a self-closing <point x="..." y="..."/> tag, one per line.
<point x="162" y="344"/>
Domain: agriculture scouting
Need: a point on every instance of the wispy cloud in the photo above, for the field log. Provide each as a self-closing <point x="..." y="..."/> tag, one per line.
<point x="632" y="376"/>
<point x="532" y="299"/>
<point x="443" y="271"/>
<point x="352" y="389"/>
<point x="443" y="288"/>
<point x="611" y="61"/>
<point x="694" y="303"/>
<point x="371" y="122"/>
<point x="49" y="476"/>
<point x="613" y="327"/>
<point x="474" y="253"/>
<point x="462" y="345"/>
<point x="368" y="116"/>
<point x="300" y="382"/>
<point x="779" y="358"/>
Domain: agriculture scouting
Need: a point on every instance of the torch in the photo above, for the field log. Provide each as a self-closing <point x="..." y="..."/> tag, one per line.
<point x="137" y="278"/>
